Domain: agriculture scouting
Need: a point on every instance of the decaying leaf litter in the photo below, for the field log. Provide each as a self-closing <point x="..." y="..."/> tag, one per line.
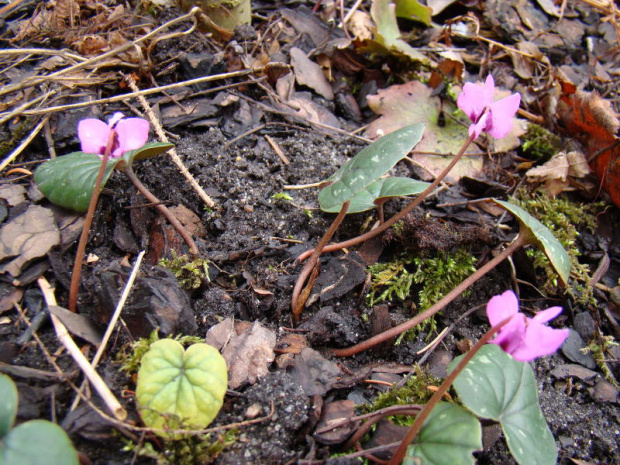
<point x="246" y="125"/>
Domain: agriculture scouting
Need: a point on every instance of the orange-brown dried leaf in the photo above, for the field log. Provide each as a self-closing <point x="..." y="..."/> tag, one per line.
<point x="591" y="119"/>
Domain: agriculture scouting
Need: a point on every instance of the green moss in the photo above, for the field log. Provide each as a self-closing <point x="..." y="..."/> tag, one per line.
<point x="190" y="273"/>
<point x="130" y="355"/>
<point x="563" y="218"/>
<point x="415" y="391"/>
<point x="539" y="143"/>
<point x="435" y="276"/>
<point x="16" y="134"/>
<point x="282" y="196"/>
<point x="188" y="450"/>
<point x="599" y="348"/>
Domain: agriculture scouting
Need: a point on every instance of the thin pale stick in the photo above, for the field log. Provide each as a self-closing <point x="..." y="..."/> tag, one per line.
<point x="153" y="90"/>
<point x="112" y="324"/>
<point x="39" y="79"/>
<point x="24" y="143"/>
<point x="172" y="152"/>
<point x="65" y="338"/>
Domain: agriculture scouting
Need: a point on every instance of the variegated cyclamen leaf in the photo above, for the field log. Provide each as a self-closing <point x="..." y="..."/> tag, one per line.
<point x="542" y="237"/>
<point x="367" y="167"/>
<point x="69" y="180"/>
<point x="152" y="149"/>
<point x="380" y="189"/>
<point x="494" y="385"/>
<point x="449" y="436"/>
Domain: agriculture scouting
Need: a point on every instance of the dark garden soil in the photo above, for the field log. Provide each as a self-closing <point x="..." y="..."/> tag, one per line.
<point x="228" y="140"/>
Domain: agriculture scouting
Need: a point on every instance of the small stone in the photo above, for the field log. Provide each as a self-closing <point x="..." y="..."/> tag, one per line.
<point x="253" y="411"/>
<point x="571" y="370"/>
<point x="604" y="391"/>
<point x="572" y="350"/>
<point x="585" y="325"/>
<point x="439" y="364"/>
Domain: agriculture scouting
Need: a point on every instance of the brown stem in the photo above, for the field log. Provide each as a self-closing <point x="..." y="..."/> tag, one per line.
<point x="399" y="455"/>
<point x="297" y="304"/>
<point x="187" y="237"/>
<point x="416" y="320"/>
<point x="88" y="221"/>
<point x="400" y="215"/>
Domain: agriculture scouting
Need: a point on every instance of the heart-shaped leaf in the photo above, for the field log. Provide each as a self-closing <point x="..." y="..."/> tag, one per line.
<point x="179" y="388"/>
<point x="494" y="385"/>
<point x="37" y="442"/>
<point x="540" y="235"/>
<point x="69" y="181"/>
<point x="382" y="188"/>
<point x="354" y="177"/>
<point x="449" y="437"/>
<point x="8" y="406"/>
<point x="152" y="149"/>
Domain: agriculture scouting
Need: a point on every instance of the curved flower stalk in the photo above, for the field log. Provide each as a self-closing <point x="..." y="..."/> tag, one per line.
<point x="486" y="115"/>
<point x="131" y="134"/>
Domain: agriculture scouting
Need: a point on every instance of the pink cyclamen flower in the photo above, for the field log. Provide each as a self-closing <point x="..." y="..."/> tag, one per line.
<point x="493" y="117"/>
<point x="131" y="134"/>
<point x="522" y="337"/>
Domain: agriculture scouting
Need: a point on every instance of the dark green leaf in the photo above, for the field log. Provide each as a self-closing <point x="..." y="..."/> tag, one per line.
<point x="380" y="189"/>
<point x="37" y="442"/>
<point x="8" y="406"/>
<point x="449" y="437"/>
<point x="152" y="149"/>
<point x="539" y="234"/>
<point x="367" y="167"/>
<point x="494" y="385"/>
<point x="412" y="9"/>
<point x="69" y="181"/>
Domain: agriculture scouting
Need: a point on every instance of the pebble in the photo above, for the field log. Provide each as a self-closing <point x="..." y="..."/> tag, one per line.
<point x="572" y="351"/>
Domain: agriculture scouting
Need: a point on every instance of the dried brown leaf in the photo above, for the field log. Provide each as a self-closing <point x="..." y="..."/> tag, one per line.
<point x="27" y="237"/>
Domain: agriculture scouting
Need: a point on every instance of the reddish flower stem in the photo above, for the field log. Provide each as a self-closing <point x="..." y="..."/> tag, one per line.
<point x="187" y="237"/>
<point x="400" y="215"/>
<point x="399" y="455"/>
<point x="88" y="221"/>
<point x="298" y="300"/>
<point x="454" y="293"/>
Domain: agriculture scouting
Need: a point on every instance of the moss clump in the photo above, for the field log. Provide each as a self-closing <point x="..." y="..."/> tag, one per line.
<point x="539" y="143"/>
<point x="188" y="450"/>
<point x="131" y="355"/>
<point x="563" y="218"/>
<point x="599" y="348"/>
<point x="441" y="274"/>
<point x="436" y="276"/>
<point x="190" y="274"/>
<point x="415" y="391"/>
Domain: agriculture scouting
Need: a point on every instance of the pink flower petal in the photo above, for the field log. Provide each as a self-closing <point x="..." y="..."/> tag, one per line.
<point x="501" y="307"/>
<point x="512" y="334"/>
<point x="540" y="340"/>
<point x="93" y="135"/>
<point x="502" y="113"/>
<point x="547" y="315"/>
<point x="132" y="133"/>
<point x="477" y="128"/>
<point x="475" y="98"/>
<point x="116" y="117"/>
